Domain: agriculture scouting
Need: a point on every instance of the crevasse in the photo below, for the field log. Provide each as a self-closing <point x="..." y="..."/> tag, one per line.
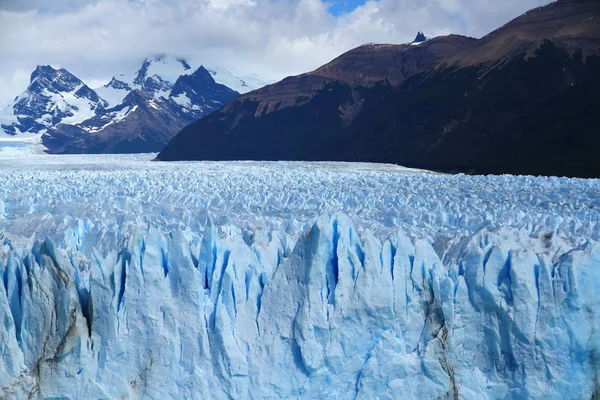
<point x="335" y="314"/>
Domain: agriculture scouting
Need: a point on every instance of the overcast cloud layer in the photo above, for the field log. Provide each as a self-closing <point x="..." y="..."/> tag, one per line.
<point x="272" y="38"/>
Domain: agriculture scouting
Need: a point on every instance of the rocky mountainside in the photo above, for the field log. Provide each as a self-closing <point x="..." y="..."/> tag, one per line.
<point x="139" y="124"/>
<point x="520" y="100"/>
<point x="137" y="112"/>
<point x="277" y="122"/>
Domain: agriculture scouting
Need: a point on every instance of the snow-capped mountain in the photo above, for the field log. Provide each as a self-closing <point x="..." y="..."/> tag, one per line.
<point x="133" y="112"/>
<point x="159" y="74"/>
<point x="162" y="97"/>
<point x="53" y="96"/>
<point x="197" y="93"/>
<point x="139" y="124"/>
<point x="156" y="76"/>
<point x="114" y="91"/>
<point x="146" y="109"/>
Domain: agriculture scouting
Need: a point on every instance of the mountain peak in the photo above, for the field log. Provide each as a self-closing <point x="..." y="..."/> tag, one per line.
<point x="570" y="24"/>
<point x="168" y="59"/>
<point x="159" y="72"/>
<point x="55" y="80"/>
<point x="420" y="38"/>
<point x="54" y="96"/>
<point x="42" y="70"/>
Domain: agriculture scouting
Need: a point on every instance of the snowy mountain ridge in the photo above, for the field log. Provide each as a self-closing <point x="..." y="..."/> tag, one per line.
<point x="55" y="96"/>
<point x="158" y="75"/>
<point x="241" y="84"/>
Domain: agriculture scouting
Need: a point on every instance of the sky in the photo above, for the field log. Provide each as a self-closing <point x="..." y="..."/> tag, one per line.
<point x="96" y="39"/>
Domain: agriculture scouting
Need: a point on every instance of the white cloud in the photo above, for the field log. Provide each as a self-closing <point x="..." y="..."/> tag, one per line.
<point x="273" y="38"/>
<point x="44" y="5"/>
<point x="12" y="84"/>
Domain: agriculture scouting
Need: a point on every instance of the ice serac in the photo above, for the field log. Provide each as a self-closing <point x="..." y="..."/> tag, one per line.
<point x="335" y="313"/>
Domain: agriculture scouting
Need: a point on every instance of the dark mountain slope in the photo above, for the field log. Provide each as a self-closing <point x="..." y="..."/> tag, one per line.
<point x="372" y="63"/>
<point x="277" y="121"/>
<point x="573" y="25"/>
<point x="532" y="116"/>
<point x="521" y="100"/>
<point x="530" y="111"/>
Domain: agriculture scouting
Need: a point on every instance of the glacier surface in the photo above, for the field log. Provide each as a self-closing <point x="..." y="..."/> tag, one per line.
<point x="125" y="278"/>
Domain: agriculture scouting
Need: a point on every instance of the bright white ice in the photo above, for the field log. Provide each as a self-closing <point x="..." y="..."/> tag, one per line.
<point x="127" y="278"/>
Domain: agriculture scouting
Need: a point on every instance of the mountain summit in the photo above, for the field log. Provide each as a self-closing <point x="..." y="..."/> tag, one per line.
<point x="420" y="38"/>
<point x="156" y="76"/>
<point x="53" y="96"/>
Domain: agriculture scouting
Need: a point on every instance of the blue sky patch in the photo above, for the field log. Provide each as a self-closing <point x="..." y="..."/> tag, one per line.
<point x="339" y="7"/>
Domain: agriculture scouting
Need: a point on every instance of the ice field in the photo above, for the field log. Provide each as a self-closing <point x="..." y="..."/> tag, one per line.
<point x="134" y="279"/>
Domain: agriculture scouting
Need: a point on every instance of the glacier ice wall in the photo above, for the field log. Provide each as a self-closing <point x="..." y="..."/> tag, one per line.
<point x="335" y="313"/>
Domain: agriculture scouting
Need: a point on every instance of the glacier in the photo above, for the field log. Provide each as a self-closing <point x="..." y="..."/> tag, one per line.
<point x="125" y="278"/>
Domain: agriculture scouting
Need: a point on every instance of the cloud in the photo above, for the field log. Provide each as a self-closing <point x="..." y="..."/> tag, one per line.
<point x="272" y="38"/>
<point x="43" y="5"/>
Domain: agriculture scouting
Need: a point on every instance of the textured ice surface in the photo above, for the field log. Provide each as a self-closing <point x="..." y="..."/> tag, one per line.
<point x="125" y="278"/>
